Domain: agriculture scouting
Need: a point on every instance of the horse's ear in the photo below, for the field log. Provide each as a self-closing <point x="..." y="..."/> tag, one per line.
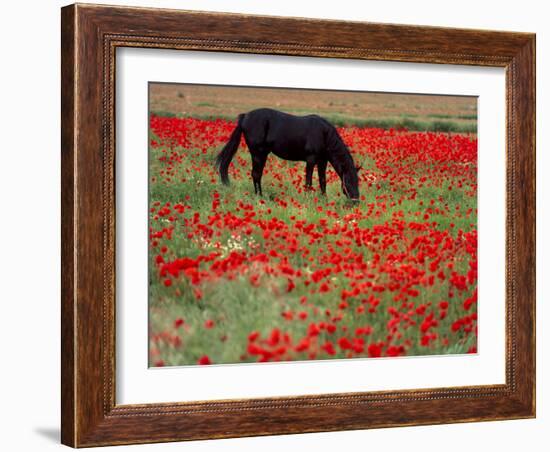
<point x="357" y="168"/>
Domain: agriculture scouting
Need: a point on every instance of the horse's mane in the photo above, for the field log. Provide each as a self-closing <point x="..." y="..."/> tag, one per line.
<point x="339" y="153"/>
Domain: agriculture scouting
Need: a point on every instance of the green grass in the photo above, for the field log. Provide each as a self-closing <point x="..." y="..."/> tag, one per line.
<point x="445" y="116"/>
<point x="205" y="104"/>
<point x="402" y="122"/>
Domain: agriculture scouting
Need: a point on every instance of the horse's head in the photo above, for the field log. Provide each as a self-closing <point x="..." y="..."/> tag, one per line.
<point x="350" y="183"/>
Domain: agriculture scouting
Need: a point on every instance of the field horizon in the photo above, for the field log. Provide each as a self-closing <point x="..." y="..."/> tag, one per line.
<point x="417" y="112"/>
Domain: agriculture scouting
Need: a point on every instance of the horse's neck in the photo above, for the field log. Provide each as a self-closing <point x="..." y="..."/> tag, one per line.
<point x="338" y="151"/>
<point x="341" y="160"/>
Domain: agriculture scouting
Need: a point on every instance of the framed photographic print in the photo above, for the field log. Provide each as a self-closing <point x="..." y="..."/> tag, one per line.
<point x="281" y="225"/>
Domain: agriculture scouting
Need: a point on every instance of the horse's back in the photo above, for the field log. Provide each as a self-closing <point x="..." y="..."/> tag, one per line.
<point x="285" y="134"/>
<point x="282" y="119"/>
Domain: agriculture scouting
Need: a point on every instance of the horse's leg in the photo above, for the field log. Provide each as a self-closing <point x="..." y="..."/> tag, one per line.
<point x="322" y="171"/>
<point x="310" y="165"/>
<point x="258" y="163"/>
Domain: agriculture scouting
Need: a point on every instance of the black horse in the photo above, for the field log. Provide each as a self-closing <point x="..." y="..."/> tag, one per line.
<point x="299" y="138"/>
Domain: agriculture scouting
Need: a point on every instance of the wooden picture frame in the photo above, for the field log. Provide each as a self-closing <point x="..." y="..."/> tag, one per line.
<point x="90" y="36"/>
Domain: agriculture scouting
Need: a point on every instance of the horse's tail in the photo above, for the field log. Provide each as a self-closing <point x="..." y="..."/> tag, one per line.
<point x="229" y="150"/>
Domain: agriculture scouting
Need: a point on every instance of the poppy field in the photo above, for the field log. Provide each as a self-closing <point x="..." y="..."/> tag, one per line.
<point x="294" y="275"/>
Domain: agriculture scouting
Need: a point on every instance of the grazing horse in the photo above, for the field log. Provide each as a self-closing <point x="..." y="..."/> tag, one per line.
<point x="310" y="138"/>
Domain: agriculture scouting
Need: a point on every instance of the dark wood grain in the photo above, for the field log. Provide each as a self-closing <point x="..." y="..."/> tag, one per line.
<point x="67" y="226"/>
<point x="90" y="36"/>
